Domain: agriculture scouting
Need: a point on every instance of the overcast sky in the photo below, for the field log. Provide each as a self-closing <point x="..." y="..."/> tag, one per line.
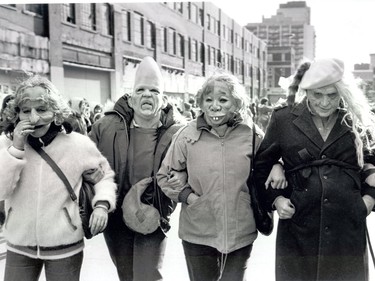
<point x="344" y="28"/>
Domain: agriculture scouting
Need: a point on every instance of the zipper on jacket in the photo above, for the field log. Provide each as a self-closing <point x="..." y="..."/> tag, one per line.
<point x="225" y="219"/>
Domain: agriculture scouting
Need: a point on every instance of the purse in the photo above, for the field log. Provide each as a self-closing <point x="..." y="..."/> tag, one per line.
<point x="86" y="193"/>
<point x="263" y="218"/>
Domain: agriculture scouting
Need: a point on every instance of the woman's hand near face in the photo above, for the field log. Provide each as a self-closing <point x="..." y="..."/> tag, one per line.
<point x="20" y="133"/>
<point x="276" y="178"/>
<point x="98" y="220"/>
<point x="285" y="208"/>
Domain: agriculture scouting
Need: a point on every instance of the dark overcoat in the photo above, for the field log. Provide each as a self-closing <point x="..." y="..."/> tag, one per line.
<point x="325" y="239"/>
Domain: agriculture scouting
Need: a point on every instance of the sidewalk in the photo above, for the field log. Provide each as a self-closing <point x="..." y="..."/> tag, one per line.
<point x="97" y="265"/>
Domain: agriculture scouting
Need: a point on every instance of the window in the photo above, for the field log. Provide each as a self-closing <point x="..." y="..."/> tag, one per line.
<point x="193" y="15"/>
<point x="126" y="35"/>
<point x="276" y="57"/>
<point x="106" y="19"/>
<point x="178" y="7"/>
<point x="194" y="50"/>
<point x="201" y="17"/>
<point x="212" y="56"/>
<point x="208" y="22"/>
<point x="212" y="24"/>
<point x="150" y="35"/>
<point x="88" y="16"/>
<point x="238" y="41"/>
<point x="201" y="52"/>
<point x="165" y="39"/>
<point x="35" y="8"/>
<point x="172" y="41"/>
<point x="181" y="45"/>
<point x="68" y="13"/>
<point x="138" y="29"/>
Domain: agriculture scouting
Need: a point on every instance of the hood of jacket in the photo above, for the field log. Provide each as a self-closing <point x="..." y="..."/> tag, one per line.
<point x="169" y="114"/>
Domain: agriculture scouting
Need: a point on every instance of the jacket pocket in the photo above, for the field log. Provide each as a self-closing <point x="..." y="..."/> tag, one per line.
<point x="199" y="219"/>
<point x="68" y="219"/>
<point x="245" y="216"/>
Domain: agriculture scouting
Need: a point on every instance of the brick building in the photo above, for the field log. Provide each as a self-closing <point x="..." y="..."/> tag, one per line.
<point x="92" y="49"/>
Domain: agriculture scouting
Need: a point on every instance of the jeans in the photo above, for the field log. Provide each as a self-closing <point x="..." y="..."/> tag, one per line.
<point x="205" y="263"/>
<point x="22" y="268"/>
<point x="137" y="257"/>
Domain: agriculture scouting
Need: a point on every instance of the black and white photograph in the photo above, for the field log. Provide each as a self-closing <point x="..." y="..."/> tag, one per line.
<point x="187" y="141"/>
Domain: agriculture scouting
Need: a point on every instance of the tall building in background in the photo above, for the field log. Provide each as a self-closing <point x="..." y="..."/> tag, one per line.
<point x="290" y="39"/>
<point x="366" y="73"/>
<point x="92" y="50"/>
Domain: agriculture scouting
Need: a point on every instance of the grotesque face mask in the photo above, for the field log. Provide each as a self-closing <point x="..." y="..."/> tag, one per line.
<point x="148" y="99"/>
<point x="34" y="108"/>
<point x="218" y="104"/>
<point x="323" y="101"/>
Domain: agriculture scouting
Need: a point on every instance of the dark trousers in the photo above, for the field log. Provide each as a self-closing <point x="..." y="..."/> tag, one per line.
<point x="137" y="257"/>
<point x="22" y="268"/>
<point x="205" y="263"/>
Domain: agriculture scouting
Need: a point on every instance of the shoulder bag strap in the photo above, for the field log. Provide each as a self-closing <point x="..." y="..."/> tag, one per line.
<point x="253" y="152"/>
<point x="57" y="170"/>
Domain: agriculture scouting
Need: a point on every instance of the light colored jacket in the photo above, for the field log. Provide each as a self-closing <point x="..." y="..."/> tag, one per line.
<point x="42" y="221"/>
<point x="218" y="169"/>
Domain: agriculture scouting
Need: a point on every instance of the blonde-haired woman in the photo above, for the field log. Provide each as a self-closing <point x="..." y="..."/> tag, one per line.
<point x="324" y="139"/>
<point x="43" y="227"/>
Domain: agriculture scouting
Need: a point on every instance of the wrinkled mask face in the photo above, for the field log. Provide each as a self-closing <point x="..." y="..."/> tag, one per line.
<point x="85" y="109"/>
<point x="147" y="100"/>
<point x="34" y="108"/>
<point x="218" y="104"/>
<point x="323" y="101"/>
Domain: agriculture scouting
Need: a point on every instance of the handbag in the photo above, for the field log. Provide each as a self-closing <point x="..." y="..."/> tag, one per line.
<point x="86" y="193"/>
<point x="263" y="218"/>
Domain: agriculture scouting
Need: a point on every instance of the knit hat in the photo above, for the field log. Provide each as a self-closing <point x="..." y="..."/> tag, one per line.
<point x="322" y="72"/>
<point x="148" y="72"/>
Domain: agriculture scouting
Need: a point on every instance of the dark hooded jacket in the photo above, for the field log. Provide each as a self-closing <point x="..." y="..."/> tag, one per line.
<point x="111" y="134"/>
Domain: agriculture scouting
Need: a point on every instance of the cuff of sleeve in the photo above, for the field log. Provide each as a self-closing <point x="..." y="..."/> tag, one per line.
<point x="19" y="154"/>
<point x="368" y="190"/>
<point x="103" y="204"/>
<point x="367" y="173"/>
<point x="184" y="194"/>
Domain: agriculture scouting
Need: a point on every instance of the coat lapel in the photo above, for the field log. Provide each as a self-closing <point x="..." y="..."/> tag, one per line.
<point x="306" y="125"/>
<point x="338" y="130"/>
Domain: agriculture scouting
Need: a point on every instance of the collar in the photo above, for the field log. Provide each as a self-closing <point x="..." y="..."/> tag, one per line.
<point x="47" y="138"/>
<point x="233" y="121"/>
<point x="134" y="124"/>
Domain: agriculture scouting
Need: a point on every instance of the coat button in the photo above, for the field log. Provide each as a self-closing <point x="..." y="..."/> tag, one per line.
<point x="325" y="177"/>
<point x="324" y="157"/>
<point x="325" y="200"/>
<point x="326" y="228"/>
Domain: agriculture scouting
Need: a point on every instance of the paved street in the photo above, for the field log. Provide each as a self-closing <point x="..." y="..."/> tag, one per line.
<point x="97" y="265"/>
